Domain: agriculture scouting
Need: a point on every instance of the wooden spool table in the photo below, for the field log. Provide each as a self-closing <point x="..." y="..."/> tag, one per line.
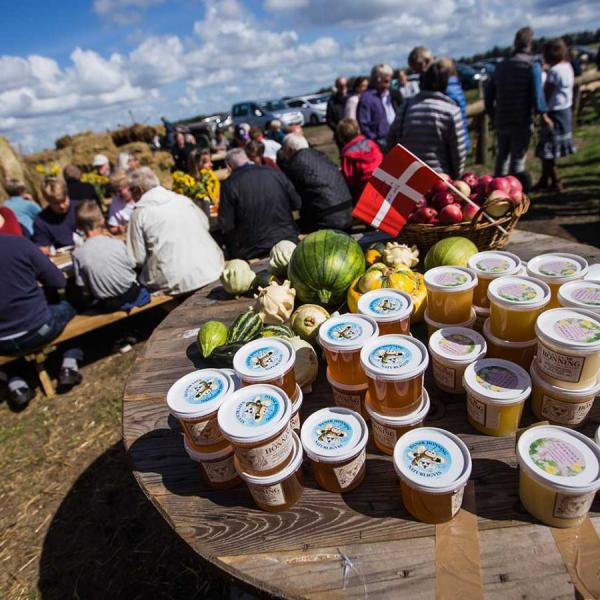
<point x="362" y="544"/>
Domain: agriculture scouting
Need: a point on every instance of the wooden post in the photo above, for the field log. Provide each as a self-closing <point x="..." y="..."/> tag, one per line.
<point x="482" y="138"/>
<point x="40" y="367"/>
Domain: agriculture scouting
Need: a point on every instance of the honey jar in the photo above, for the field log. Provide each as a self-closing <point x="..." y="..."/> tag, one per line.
<point x="490" y="265"/>
<point x="450" y="294"/>
<point x="390" y="309"/>
<point x="216" y="468"/>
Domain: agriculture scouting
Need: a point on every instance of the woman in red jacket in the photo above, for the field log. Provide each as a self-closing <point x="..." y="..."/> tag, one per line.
<point x="8" y="223"/>
<point x="359" y="156"/>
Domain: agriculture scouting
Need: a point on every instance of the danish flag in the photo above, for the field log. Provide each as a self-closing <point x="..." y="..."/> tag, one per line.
<point x="392" y="192"/>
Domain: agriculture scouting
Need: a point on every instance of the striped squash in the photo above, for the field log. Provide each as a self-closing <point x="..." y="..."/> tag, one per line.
<point x="246" y="327"/>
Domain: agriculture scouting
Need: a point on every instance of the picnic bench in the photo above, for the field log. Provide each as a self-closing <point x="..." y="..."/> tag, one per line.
<point x="79" y="325"/>
<point x="362" y="544"/>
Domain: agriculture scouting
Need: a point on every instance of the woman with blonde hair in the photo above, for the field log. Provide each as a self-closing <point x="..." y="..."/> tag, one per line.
<point x="200" y="168"/>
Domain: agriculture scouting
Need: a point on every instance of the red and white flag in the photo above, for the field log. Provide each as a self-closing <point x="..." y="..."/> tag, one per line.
<point x="393" y="190"/>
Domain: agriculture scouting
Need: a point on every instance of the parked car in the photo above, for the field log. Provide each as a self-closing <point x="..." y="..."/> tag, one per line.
<point x="313" y="108"/>
<point x="487" y="67"/>
<point x="260" y="113"/>
<point x="469" y="77"/>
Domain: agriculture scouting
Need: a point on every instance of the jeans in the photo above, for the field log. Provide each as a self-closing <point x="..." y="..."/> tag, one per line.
<point x="60" y="315"/>
<point x="512" y="151"/>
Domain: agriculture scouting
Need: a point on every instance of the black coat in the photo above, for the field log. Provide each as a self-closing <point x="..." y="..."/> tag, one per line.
<point x="326" y="199"/>
<point x="335" y="110"/>
<point x="255" y="211"/>
<point x="80" y="190"/>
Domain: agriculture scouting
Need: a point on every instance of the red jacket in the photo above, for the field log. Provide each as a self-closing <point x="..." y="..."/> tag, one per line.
<point x="360" y="157"/>
<point x="11" y="225"/>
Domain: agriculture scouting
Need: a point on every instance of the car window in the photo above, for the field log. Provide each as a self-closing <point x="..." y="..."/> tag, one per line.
<point x="270" y="105"/>
<point x="318" y="100"/>
<point x="240" y="110"/>
<point x="296" y="103"/>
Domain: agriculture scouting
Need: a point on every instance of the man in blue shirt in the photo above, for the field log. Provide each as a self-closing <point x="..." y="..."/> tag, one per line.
<point x="25" y="209"/>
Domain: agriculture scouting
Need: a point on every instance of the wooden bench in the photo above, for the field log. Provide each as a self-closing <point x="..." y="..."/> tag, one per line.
<point x="79" y="325"/>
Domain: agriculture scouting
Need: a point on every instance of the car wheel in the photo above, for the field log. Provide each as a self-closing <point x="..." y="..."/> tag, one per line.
<point x="314" y="120"/>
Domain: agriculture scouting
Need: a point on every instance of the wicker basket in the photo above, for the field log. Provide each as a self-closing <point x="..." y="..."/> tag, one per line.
<point x="480" y="231"/>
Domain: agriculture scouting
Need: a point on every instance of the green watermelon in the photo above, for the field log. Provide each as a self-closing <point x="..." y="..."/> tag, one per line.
<point x="282" y="331"/>
<point x="323" y="267"/>
<point x="452" y="251"/>
<point x="246" y="327"/>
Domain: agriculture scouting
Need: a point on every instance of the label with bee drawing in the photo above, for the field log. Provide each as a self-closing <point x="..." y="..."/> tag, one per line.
<point x="332" y="434"/>
<point x="390" y="356"/>
<point x="219" y="471"/>
<point x="565" y="413"/>
<point x="346" y="474"/>
<point x="267" y="456"/>
<point x="568" y="506"/>
<point x="264" y="358"/>
<point x="427" y="458"/>
<point x="204" y="389"/>
<point x="258" y="410"/>
<point x="344" y="331"/>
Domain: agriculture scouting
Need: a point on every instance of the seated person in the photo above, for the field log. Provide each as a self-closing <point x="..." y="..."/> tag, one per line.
<point x="55" y="225"/>
<point x="200" y="167"/>
<point x="102" y="265"/>
<point x="77" y="189"/>
<point x="8" y="223"/>
<point x="101" y="165"/>
<point x="271" y="146"/>
<point x="22" y="204"/>
<point x="220" y="143"/>
<point x="122" y="204"/>
<point x="275" y="132"/>
<point x="255" y="151"/>
<point x="27" y="321"/>
<point x="359" y="156"/>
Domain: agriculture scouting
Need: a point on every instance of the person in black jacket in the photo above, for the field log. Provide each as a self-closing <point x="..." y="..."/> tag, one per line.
<point x="326" y="199"/>
<point x="255" y="209"/>
<point x="77" y="189"/>
<point x="336" y="105"/>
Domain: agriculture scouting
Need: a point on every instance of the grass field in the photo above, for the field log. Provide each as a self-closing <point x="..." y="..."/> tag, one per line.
<point x="74" y="522"/>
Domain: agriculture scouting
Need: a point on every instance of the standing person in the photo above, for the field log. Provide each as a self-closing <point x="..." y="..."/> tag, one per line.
<point x="122" y="205"/>
<point x="512" y="95"/>
<point x="21" y="203"/>
<point x="102" y="265"/>
<point x="406" y="87"/>
<point x="430" y="125"/>
<point x="378" y="105"/>
<point x="557" y="126"/>
<point x="271" y="146"/>
<point x="359" y="156"/>
<point x="55" y="225"/>
<point x="77" y="189"/>
<point x="336" y="103"/>
<point x="419" y="60"/>
<point x="275" y="132"/>
<point x="455" y="92"/>
<point x="201" y="169"/>
<point x="326" y="200"/>
<point x="168" y="237"/>
<point x="220" y="143"/>
<point x="255" y="151"/>
<point x="27" y="321"/>
<point x="359" y="85"/>
<point x="181" y="152"/>
<point x="256" y="207"/>
<point x="101" y="165"/>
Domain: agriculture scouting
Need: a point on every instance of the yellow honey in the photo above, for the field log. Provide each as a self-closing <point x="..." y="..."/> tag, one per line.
<point x="488" y="266"/>
<point x="521" y="353"/>
<point x="390" y="309"/>
<point x="450" y="294"/>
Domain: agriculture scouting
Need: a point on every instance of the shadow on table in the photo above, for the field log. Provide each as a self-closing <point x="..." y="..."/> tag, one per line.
<point x="107" y="541"/>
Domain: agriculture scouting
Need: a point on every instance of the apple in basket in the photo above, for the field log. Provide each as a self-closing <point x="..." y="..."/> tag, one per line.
<point x="425" y="214"/>
<point x="483" y="183"/>
<point x="501" y="184"/>
<point x="463" y="187"/>
<point x="438" y="187"/>
<point x="469" y="211"/>
<point x="442" y="199"/>
<point x="470" y="179"/>
<point x="450" y="214"/>
<point x="515" y="184"/>
<point x="498" y="203"/>
<point x="421" y="203"/>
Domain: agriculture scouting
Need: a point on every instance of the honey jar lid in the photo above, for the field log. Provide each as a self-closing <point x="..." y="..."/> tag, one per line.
<point x="518" y="292"/>
<point x="237" y="384"/>
<point x="386" y="305"/>
<point x="254" y="413"/>
<point x="334" y="434"/>
<point x="264" y="359"/>
<point x="497" y="381"/>
<point x="433" y="460"/>
<point x="580" y="294"/>
<point x="570" y="328"/>
<point x="450" y="279"/>
<point x="494" y="263"/>
<point x="557" y="267"/>
<point x="199" y="393"/>
<point x="457" y="344"/>
<point x="346" y="333"/>
<point x="394" y="357"/>
<point x="560" y="458"/>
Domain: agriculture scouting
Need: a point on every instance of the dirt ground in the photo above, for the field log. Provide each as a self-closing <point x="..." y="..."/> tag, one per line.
<point x="74" y="522"/>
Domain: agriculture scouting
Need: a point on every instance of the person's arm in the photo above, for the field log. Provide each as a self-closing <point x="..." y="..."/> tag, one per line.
<point x="41" y="237"/>
<point x="226" y="216"/>
<point x="136" y="245"/>
<point x="330" y="115"/>
<point x="539" y="99"/>
<point x="45" y="271"/>
<point x="293" y="196"/>
<point x="363" y="116"/>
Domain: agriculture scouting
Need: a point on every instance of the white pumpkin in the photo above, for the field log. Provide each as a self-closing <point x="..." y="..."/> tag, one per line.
<point x="275" y="303"/>
<point x="279" y="257"/>
<point x="306" y="367"/>
<point x="237" y="277"/>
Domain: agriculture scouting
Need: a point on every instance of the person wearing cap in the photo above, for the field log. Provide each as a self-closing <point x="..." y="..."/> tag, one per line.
<point x="101" y="165"/>
<point x="77" y="189"/>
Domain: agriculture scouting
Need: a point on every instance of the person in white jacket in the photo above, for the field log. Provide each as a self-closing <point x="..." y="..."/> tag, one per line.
<point x="168" y="237"/>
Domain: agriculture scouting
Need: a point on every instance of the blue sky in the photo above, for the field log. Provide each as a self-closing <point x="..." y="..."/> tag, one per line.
<point x="76" y="65"/>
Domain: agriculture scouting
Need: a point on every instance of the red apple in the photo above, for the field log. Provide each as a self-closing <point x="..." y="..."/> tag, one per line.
<point x="516" y="197"/>
<point x="470" y="179"/>
<point x="451" y="214"/>
<point x="483" y="182"/>
<point x="421" y="203"/>
<point x="477" y="198"/>
<point x="469" y="211"/>
<point x="442" y="199"/>
<point x="434" y="221"/>
<point x="499" y="183"/>
<point x="438" y="187"/>
<point x="424" y="215"/>
<point x="463" y="187"/>
<point x="515" y="184"/>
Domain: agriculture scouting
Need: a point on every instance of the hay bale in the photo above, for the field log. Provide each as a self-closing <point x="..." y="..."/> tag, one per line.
<point x="11" y="165"/>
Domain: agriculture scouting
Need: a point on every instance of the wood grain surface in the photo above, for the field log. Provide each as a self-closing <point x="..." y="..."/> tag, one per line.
<point x="358" y="545"/>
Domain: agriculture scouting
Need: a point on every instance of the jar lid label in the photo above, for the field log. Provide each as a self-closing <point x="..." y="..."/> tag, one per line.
<point x="386" y="305"/>
<point x="451" y="279"/>
<point x="204" y="389"/>
<point x="332" y="434"/>
<point x="556" y="457"/>
<point x="457" y="344"/>
<point x="258" y="410"/>
<point x="344" y="331"/>
<point x="427" y="458"/>
<point x="587" y="295"/>
<point x="583" y="331"/>
<point x="497" y="378"/>
<point x="264" y="358"/>
<point x="558" y="268"/>
<point x="518" y="292"/>
<point x="493" y="265"/>
<point x="390" y="356"/>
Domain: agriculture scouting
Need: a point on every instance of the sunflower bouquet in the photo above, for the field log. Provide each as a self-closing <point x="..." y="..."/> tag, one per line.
<point x="100" y="182"/>
<point x="48" y="170"/>
<point x="206" y="187"/>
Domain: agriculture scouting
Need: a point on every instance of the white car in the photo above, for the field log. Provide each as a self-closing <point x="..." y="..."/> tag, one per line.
<point x="312" y="107"/>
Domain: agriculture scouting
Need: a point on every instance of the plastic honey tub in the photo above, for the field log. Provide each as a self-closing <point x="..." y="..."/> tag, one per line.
<point x="481" y="315"/>
<point x="452" y="349"/>
<point x="390" y="309"/>
<point x="580" y="294"/>
<point x="335" y="441"/>
<point x="342" y="338"/>
<point x="388" y="430"/>
<point x="556" y="269"/>
<point x="490" y="265"/>
<point x="349" y="396"/>
<point x="194" y="400"/>
<point x="568" y="353"/>
<point x="560" y="406"/>
<point x="521" y="353"/>
<point x="278" y="491"/>
<point x="267" y="360"/>
<point x="256" y="421"/>
<point x="433" y="466"/>
<point x="496" y="392"/>
<point x="450" y="294"/>
<point x="515" y="304"/>
<point x="296" y="406"/>
<point x="433" y="326"/>
<point x="394" y="365"/>
<point x="559" y="474"/>
<point x="216" y="468"/>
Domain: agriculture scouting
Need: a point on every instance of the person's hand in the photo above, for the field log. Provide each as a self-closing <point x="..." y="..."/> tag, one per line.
<point x="548" y="122"/>
<point x="27" y="196"/>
